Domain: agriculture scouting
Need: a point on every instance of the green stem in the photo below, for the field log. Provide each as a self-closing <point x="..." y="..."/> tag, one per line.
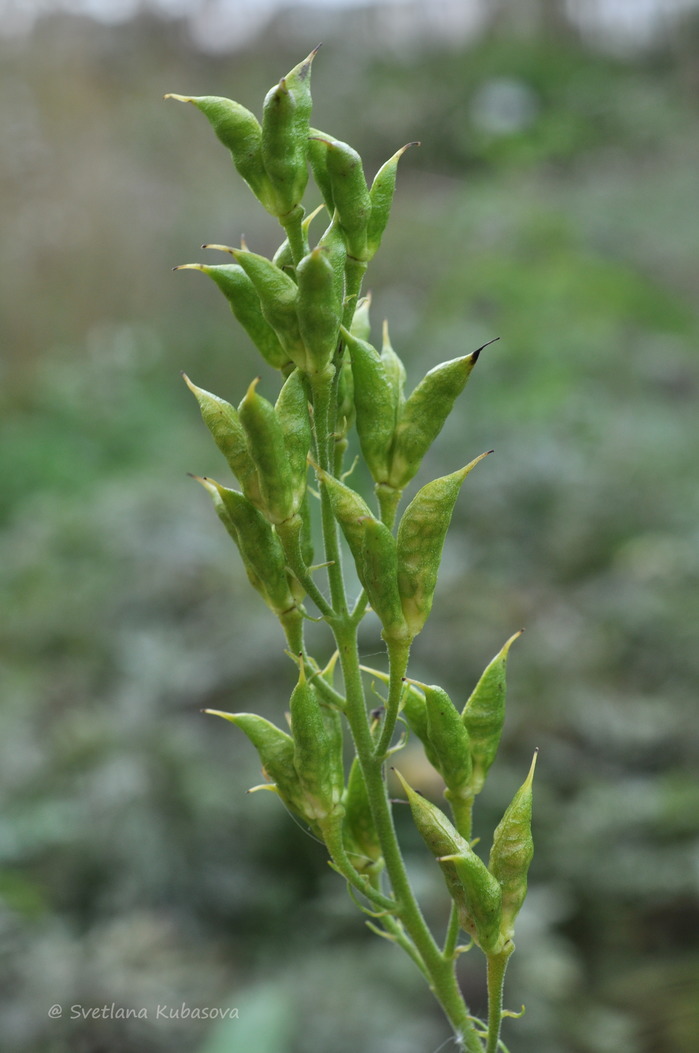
<point x="332" y="835"/>
<point x="497" y="964"/>
<point x="292" y="623"/>
<point x="462" y="812"/>
<point x="323" y="388"/>
<point x="293" y="228"/>
<point x="290" y="536"/>
<point x="398" y="654"/>
<point x="452" y="933"/>
<point x="389" y="499"/>
<point x="354" y="276"/>
<point x="440" y="970"/>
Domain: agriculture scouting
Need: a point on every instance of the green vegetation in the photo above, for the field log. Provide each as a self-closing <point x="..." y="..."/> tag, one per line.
<point x="130" y="870"/>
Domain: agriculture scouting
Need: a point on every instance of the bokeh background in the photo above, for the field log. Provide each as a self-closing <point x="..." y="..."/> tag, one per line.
<point x="553" y="203"/>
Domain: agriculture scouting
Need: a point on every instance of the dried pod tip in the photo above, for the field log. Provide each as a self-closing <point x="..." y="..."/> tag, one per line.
<point x="475" y="354"/>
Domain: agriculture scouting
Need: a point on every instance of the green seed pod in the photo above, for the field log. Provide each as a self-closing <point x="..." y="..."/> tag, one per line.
<point x="421" y="533"/>
<point x="278" y="295"/>
<point x="361" y="327"/>
<point x="333" y="244"/>
<point x="259" y="546"/>
<point x="378" y="574"/>
<point x="214" y="492"/>
<point x="482" y="907"/>
<point x="291" y="410"/>
<point x="484" y="715"/>
<point x="381" y="195"/>
<point x="361" y="840"/>
<point x="512" y="852"/>
<point x="449" y="742"/>
<point x="414" y="709"/>
<point x="276" y="752"/>
<point x="350" y="510"/>
<point x="318" y="156"/>
<point x="350" y="194"/>
<point x="395" y="370"/>
<point x="238" y="130"/>
<point x="345" y="401"/>
<point x="448" y="750"/>
<point x="445" y="843"/>
<point x="285" y="115"/>
<point x="245" y="305"/>
<point x="283" y="150"/>
<point x="223" y="422"/>
<point x="318" y="310"/>
<point x="317" y="760"/>
<point x="279" y="485"/>
<point x="375" y="404"/>
<point x="424" y="414"/>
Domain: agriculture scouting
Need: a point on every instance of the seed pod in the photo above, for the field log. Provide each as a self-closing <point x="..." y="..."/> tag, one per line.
<point x="378" y="574"/>
<point x="291" y="411"/>
<point x="333" y="244"/>
<point x="482" y="912"/>
<point x="414" y="709"/>
<point x="424" y="414"/>
<point x="421" y="533"/>
<point x="285" y="115"/>
<point x="214" y="492"/>
<point x="361" y="840"/>
<point x="474" y="900"/>
<point x="223" y="422"/>
<point x="238" y="130"/>
<point x="381" y="195"/>
<point x="318" y="156"/>
<point x="278" y="295"/>
<point x="276" y="752"/>
<point x="317" y="760"/>
<point x="345" y="401"/>
<point x="259" y="546"/>
<point x="512" y="852"/>
<point x="350" y="194"/>
<point x="360" y="327"/>
<point x="279" y="485"/>
<point x="375" y="404"/>
<point x="244" y="302"/>
<point x="350" y="510"/>
<point x="448" y="741"/>
<point x="318" y="310"/>
<point x="431" y="716"/>
<point x="394" y="369"/>
<point x="484" y="715"/>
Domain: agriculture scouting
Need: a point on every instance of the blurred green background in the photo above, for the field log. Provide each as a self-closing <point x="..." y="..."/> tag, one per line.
<point x="553" y="203"/>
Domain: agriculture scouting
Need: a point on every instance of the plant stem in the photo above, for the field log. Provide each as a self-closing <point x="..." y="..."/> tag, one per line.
<point x="322" y="387"/>
<point x="407" y="917"/>
<point x="290" y="537"/>
<point x="398" y="654"/>
<point x="440" y="970"/>
<point x="293" y="228"/>
<point x="452" y="933"/>
<point x="497" y="964"/>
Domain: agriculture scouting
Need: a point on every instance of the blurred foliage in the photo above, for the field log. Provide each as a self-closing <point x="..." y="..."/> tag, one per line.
<point x="552" y="204"/>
